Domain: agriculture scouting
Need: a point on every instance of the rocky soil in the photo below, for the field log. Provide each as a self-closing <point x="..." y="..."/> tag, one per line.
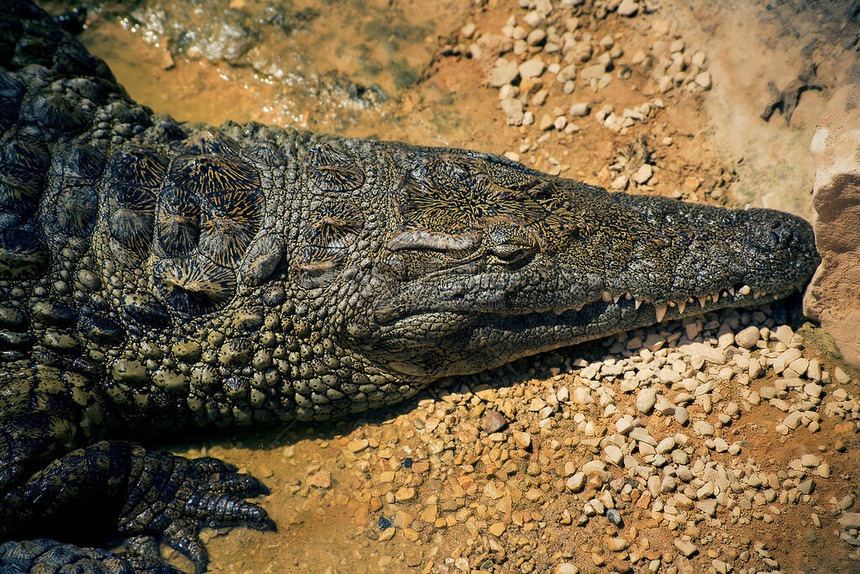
<point x="727" y="443"/>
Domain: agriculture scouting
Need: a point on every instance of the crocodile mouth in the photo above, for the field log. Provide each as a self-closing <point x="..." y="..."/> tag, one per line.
<point x="455" y="314"/>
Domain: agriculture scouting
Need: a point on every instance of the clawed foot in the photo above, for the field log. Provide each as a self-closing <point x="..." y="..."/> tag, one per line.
<point x="51" y="556"/>
<point x="174" y="497"/>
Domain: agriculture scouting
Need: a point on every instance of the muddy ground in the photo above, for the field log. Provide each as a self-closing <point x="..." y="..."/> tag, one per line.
<point x="432" y="485"/>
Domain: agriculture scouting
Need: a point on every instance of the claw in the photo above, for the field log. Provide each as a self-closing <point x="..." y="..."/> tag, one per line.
<point x="211" y="465"/>
<point x="243" y="485"/>
<point x="183" y="538"/>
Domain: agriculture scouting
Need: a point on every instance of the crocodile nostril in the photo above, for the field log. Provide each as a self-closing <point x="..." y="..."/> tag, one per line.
<point x="772" y="235"/>
<point x="779" y="235"/>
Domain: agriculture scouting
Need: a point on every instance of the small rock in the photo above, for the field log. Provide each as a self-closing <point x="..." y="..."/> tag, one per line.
<point x="321" y="479"/>
<point x="493" y="421"/>
<point x="503" y="72"/>
<point x="682" y="415"/>
<point x="404" y="494"/>
<point x="523" y="440"/>
<point x="624" y="425"/>
<point x="645" y="400"/>
<point x="532" y="68"/>
<point x="513" y="109"/>
<point x="685" y="547"/>
<point x="806" y="487"/>
<point x="546" y="122"/>
<point x="576" y="482"/>
<point x="594" y="467"/>
<point x="810" y="460"/>
<point x="357" y="445"/>
<point x="580" y="109"/>
<point x="614" y="455"/>
<point x="849" y="520"/>
<point x="703" y="428"/>
<point x="643" y="174"/>
<point x="628" y="8"/>
<point x="617" y="544"/>
<point x="536" y="37"/>
<point x="748" y="337"/>
<point x="703" y="79"/>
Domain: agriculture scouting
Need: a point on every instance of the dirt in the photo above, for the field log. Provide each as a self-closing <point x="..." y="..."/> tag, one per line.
<point x="404" y="70"/>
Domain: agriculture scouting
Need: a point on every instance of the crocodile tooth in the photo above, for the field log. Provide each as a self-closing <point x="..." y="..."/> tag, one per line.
<point x="745" y="290"/>
<point x="660" y="310"/>
<point x="703" y="300"/>
<point x="636" y="303"/>
<point x="681" y="306"/>
<point x="606" y="296"/>
<point x="615" y="298"/>
<point x="628" y="296"/>
<point x="732" y="291"/>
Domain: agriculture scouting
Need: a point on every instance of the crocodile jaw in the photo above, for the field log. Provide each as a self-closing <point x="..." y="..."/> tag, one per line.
<point x="483" y="313"/>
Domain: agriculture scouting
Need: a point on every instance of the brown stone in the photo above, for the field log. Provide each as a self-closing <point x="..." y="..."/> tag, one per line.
<point x="833" y="297"/>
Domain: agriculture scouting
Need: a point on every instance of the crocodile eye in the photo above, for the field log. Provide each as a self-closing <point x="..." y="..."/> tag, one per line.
<point x="511" y="243"/>
<point x="511" y="252"/>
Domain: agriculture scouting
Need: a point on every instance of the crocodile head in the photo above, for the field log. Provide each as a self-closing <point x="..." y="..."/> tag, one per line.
<point x="487" y="262"/>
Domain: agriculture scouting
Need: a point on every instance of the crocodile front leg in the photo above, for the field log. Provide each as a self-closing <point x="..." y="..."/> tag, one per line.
<point x="105" y="489"/>
<point x="44" y="555"/>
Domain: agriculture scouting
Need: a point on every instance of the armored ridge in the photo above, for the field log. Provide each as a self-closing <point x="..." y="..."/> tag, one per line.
<point x="156" y="275"/>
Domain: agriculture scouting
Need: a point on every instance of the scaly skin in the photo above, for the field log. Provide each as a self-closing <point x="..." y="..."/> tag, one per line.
<point x="157" y="275"/>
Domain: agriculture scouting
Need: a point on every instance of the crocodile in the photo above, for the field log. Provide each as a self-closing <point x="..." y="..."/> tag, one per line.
<point x="157" y="276"/>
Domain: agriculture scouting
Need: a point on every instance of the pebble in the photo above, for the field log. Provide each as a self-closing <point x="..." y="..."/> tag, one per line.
<point x="576" y="483"/>
<point x="643" y="174"/>
<point x="748" y="337"/>
<point x="703" y="79"/>
<point x="614" y="455"/>
<point x="513" y="109"/>
<point x="535" y="38"/>
<point x="703" y="428"/>
<point x="810" y="460"/>
<point x="493" y="421"/>
<point x="617" y="544"/>
<point x="532" y="68"/>
<point x="503" y="72"/>
<point x="321" y="479"/>
<point x="357" y="445"/>
<point x="580" y="109"/>
<point x="686" y="548"/>
<point x="849" y="520"/>
<point x="628" y="8"/>
<point x="645" y="400"/>
<point x="404" y="494"/>
<point x="523" y="440"/>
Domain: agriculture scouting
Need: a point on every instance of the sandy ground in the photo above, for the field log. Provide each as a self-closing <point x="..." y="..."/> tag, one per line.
<point x="427" y="486"/>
